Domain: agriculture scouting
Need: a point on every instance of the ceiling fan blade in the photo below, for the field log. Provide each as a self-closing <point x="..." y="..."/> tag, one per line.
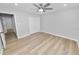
<point x="40" y="4"/>
<point x="48" y="8"/>
<point x="46" y="5"/>
<point x="36" y="6"/>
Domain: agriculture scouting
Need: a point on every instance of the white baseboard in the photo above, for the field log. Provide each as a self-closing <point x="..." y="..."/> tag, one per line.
<point x="23" y="36"/>
<point x="65" y="37"/>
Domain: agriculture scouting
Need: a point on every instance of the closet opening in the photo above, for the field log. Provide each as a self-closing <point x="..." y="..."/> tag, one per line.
<point x="8" y="27"/>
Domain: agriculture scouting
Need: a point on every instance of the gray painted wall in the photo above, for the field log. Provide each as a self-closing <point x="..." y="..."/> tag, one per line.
<point x="21" y="20"/>
<point x="65" y="22"/>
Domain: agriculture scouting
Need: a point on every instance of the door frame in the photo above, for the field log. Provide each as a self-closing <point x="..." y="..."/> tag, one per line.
<point x="4" y="41"/>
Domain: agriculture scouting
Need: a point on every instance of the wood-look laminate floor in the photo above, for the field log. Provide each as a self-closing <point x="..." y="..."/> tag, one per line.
<point x="40" y="44"/>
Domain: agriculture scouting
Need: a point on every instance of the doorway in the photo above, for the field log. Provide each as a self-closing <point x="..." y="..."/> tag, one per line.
<point x="8" y="27"/>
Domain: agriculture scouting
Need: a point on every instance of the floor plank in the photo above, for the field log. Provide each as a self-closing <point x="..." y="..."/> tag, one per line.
<point x="40" y="43"/>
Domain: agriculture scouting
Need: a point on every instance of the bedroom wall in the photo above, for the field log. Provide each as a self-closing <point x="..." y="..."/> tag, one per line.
<point x="65" y="23"/>
<point x="21" y="21"/>
<point x="34" y="24"/>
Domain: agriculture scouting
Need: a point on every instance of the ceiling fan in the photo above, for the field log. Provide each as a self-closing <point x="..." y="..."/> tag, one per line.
<point x="42" y="7"/>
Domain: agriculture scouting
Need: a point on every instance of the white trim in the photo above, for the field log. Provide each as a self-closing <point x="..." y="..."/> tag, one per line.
<point x="65" y="37"/>
<point x="23" y="36"/>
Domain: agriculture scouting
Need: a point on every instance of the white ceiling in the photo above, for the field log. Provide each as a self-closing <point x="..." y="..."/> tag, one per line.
<point x="28" y="7"/>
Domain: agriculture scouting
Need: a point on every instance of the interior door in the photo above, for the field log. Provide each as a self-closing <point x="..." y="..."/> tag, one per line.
<point x="34" y="24"/>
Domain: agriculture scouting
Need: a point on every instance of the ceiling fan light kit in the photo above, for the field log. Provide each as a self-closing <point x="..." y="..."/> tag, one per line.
<point x="42" y="8"/>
